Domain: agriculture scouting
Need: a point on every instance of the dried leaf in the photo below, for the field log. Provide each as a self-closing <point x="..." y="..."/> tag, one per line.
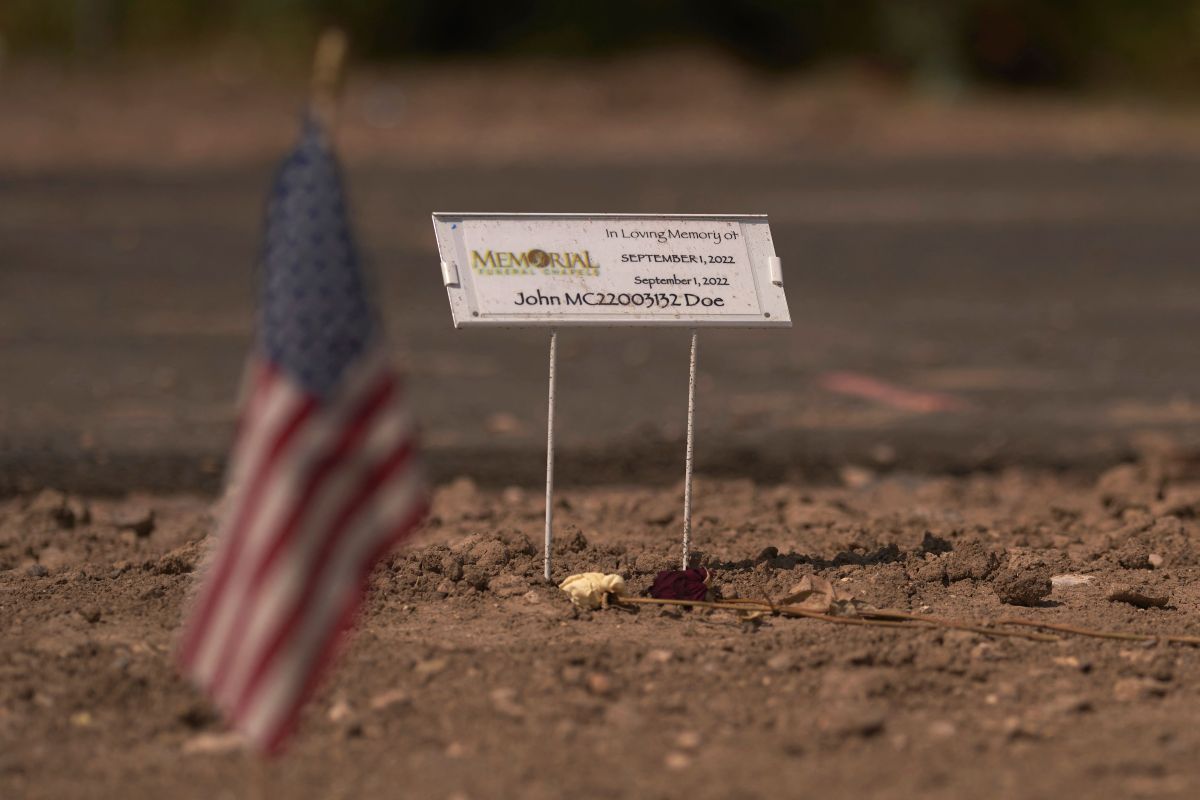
<point x="813" y="593"/>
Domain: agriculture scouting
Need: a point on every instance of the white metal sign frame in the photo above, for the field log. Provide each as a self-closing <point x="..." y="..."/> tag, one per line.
<point x="566" y="270"/>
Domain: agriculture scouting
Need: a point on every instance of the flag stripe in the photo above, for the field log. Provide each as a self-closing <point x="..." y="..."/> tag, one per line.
<point x="333" y="538"/>
<point x="281" y="586"/>
<point x="321" y="467"/>
<point x="281" y="491"/>
<point x="234" y="538"/>
<point x="294" y="679"/>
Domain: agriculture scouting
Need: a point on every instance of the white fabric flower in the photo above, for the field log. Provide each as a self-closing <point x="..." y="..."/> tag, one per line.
<point x="591" y="589"/>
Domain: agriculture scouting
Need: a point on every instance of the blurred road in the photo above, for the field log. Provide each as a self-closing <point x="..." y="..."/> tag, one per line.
<point x="1040" y="310"/>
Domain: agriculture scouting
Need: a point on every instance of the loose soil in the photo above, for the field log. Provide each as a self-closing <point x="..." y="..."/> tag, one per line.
<point x="471" y="678"/>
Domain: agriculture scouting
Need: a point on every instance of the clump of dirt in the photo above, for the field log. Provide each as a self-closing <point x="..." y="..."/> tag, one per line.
<point x="1023" y="586"/>
<point x="937" y="561"/>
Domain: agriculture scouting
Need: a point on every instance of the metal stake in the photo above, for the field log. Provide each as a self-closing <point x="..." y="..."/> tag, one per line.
<point x="550" y="453"/>
<point x="687" y="469"/>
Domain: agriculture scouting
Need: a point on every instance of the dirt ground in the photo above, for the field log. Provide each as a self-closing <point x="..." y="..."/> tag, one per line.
<point x="469" y="677"/>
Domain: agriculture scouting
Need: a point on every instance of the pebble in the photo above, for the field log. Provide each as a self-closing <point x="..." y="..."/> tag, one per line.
<point x="942" y="729"/>
<point x="37" y="571"/>
<point x="1129" y="689"/>
<point x="340" y="711"/>
<point x="659" y="656"/>
<point x="390" y="698"/>
<point x="677" y="761"/>
<point x="599" y="684"/>
<point x="1071" y="580"/>
<point x="430" y="667"/>
<point x="213" y="744"/>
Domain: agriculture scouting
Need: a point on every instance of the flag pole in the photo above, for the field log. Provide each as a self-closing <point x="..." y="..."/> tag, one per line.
<point x="328" y="76"/>
<point x="688" y="457"/>
<point x="550" y="453"/>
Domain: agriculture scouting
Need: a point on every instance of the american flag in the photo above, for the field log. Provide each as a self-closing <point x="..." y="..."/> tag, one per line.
<point x="322" y="475"/>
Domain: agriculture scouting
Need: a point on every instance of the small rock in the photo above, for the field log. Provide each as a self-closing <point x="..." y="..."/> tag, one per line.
<point x="1156" y="560"/>
<point x="659" y="656"/>
<point x="677" y="761"/>
<point x="1070" y="580"/>
<point x="90" y="614"/>
<point x="1139" y="596"/>
<point x="389" y="699"/>
<point x="1130" y="689"/>
<point x="446" y="587"/>
<point x="430" y="667"/>
<point x="82" y="719"/>
<point x="37" y="571"/>
<point x="214" y="744"/>
<point x="1023" y="587"/>
<point x="340" y="711"/>
<point x="688" y="740"/>
<point x="599" y="684"/>
<point x="942" y="729"/>
<point x="856" y="477"/>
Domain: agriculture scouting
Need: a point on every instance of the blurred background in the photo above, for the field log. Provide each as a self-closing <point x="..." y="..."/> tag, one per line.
<point x="986" y="212"/>
<point x="945" y="45"/>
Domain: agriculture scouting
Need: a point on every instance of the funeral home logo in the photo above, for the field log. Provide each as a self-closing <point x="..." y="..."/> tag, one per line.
<point x="534" y="262"/>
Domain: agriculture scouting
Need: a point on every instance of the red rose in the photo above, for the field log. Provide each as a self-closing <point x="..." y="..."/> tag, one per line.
<point x="681" y="584"/>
